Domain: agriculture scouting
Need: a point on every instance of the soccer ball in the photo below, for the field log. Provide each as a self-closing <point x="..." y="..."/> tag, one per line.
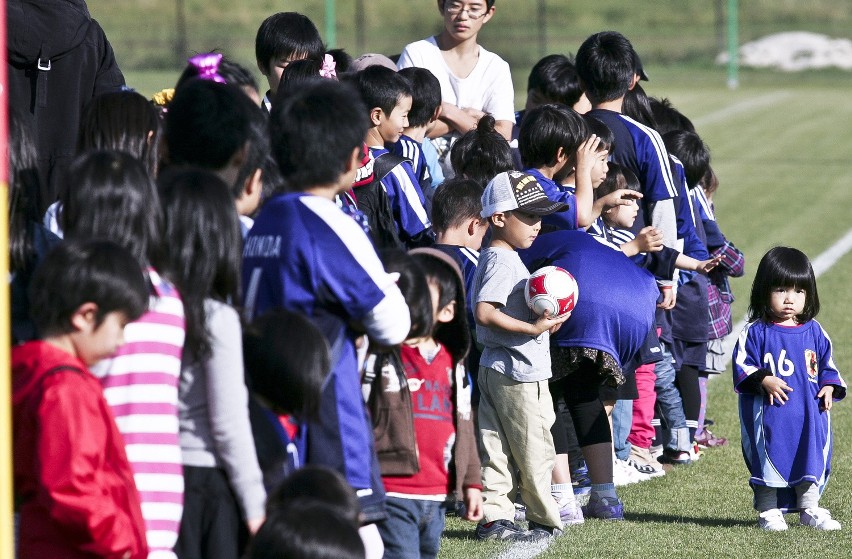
<point x="552" y="289"/>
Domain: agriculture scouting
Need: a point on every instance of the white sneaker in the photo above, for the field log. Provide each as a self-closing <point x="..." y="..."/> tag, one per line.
<point x="818" y="518"/>
<point x="625" y="474"/>
<point x="646" y="469"/>
<point x="772" y="520"/>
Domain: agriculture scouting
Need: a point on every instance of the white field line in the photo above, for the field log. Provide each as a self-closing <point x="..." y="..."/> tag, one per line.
<point x="742" y="107"/>
<point x="525" y="550"/>
<point x="821" y="264"/>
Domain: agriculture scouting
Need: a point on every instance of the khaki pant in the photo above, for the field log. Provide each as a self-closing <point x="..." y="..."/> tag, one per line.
<point x="514" y="423"/>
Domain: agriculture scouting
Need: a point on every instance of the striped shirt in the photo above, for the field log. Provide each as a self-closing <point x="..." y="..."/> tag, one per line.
<point x="141" y="386"/>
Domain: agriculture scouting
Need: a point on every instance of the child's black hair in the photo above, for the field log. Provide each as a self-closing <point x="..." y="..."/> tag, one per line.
<point x="296" y="76"/>
<point x="286" y="360"/>
<point x="306" y="530"/>
<point x="286" y="35"/>
<point x="320" y="484"/>
<point x="547" y="128"/>
<point x="710" y="182"/>
<point x="554" y="79"/>
<point x="691" y="151"/>
<point x="425" y="96"/>
<point x="667" y="118"/>
<point x="602" y="131"/>
<point x="442" y="270"/>
<point x="381" y="87"/>
<point x="617" y="177"/>
<point x="232" y="72"/>
<point x="315" y="131"/>
<point x="415" y="290"/>
<point x="783" y="267"/>
<point x="93" y="271"/>
<point x="122" y="121"/>
<point x="342" y="60"/>
<point x="605" y="66"/>
<point x="455" y="200"/>
<point x="24" y="186"/>
<point x="481" y="154"/>
<point x="258" y="151"/>
<point x="202" y="255"/>
<point x="207" y="124"/>
<point x="109" y="195"/>
<point x="637" y="105"/>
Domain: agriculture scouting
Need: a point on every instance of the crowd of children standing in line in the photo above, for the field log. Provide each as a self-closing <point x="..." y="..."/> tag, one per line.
<point x="294" y="325"/>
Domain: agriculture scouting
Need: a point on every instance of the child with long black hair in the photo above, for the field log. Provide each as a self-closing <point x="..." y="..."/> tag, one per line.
<point x="224" y="485"/>
<point x="786" y="377"/>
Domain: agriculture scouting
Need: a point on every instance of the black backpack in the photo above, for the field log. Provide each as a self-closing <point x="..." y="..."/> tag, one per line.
<point x="373" y="201"/>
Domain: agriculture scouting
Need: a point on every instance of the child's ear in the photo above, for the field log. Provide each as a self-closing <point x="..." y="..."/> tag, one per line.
<point x="85" y="317"/>
<point x="437" y="114"/>
<point x="376" y="115"/>
<point x="249" y="200"/>
<point x="448" y="313"/>
<point x="498" y="219"/>
<point x="354" y="161"/>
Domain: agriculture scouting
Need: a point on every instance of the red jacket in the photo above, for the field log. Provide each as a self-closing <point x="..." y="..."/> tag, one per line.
<point x="74" y="488"/>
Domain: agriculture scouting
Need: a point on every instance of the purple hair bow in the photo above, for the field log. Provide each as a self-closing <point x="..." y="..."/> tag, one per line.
<point x="208" y="66"/>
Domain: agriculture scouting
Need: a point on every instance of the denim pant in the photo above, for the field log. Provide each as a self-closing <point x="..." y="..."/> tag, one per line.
<point x="622" y="419"/>
<point x="670" y="404"/>
<point x="410" y="521"/>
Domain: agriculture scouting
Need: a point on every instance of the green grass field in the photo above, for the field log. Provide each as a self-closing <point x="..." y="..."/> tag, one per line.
<point x="785" y="179"/>
<point x="780" y="145"/>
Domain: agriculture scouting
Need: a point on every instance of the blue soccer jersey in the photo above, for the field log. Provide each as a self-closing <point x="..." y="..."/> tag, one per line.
<point x="617" y="298"/>
<point x="406" y="199"/>
<point x="412" y="150"/>
<point x="567" y="219"/>
<point x="786" y="445"/>
<point x="304" y="254"/>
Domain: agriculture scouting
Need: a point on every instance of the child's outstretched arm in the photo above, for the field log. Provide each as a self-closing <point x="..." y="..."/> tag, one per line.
<point x="586" y="156"/>
<point x="489" y="314"/>
<point x="620" y="197"/>
<point x="685" y="262"/>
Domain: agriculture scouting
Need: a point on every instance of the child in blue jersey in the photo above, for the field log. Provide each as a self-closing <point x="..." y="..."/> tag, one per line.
<point x="424" y="113"/>
<point x="387" y="96"/>
<point x="785" y="374"/>
<point x="607" y="70"/>
<point x="553" y="140"/>
<point x="304" y="254"/>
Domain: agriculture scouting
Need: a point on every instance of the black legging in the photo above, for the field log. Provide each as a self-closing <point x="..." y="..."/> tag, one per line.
<point x="690" y="392"/>
<point x="578" y="397"/>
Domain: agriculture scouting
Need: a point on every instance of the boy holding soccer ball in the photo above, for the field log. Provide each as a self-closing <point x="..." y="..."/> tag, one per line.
<point x="515" y="410"/>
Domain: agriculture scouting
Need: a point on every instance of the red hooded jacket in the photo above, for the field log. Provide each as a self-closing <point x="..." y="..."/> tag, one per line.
<point x="74" y="488"/>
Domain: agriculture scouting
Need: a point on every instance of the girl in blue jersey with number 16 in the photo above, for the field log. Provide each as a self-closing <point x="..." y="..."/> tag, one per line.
<point x="787" y="381"/>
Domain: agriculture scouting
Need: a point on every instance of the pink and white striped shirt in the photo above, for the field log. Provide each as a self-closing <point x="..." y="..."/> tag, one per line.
<point x="141" y="386"/>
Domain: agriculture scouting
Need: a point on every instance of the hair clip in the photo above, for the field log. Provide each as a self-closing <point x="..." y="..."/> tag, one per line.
<point x="208" y="66"/>
<point x="329" y="66"/>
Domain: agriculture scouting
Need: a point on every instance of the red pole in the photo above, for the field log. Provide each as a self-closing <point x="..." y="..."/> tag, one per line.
<point x="7" y="532"/>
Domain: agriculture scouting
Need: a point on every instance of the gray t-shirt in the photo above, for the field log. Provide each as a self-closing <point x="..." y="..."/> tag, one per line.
<point x="501" y="278"/>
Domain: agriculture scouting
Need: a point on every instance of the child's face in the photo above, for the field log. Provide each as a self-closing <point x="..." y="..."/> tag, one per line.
<point x="276" y="68"/>
<point x="519" y="229"/>
<point x="786" y="303"/>
<point x="622" y="217"/>
<point x="600" y="168"/>
<point x="392" y="126"/>
<point x="463" y="20"/>
<point x="95" y="342"/>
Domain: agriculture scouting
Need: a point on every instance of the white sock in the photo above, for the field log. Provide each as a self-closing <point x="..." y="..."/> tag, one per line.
<point x="562" y="492"/>
<point x="373" y="546"/>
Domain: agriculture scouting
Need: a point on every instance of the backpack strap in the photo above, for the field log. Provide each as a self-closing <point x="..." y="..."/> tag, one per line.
<point x="384" y="164"/>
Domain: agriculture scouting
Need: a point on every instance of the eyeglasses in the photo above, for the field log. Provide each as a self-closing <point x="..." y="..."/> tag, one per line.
<point x="456" y="9"/>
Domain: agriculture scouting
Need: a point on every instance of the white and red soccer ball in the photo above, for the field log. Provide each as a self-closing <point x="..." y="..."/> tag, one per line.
<point x="552" y="289"/>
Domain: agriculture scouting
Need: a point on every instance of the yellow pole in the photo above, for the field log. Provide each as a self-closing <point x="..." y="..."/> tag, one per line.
<point x="6" y="519"/>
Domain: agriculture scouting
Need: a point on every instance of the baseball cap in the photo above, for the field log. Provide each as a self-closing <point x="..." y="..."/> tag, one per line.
<point x="637" y="67"/>
<point x="371" y="59"/>
<point x="514" y="190"/>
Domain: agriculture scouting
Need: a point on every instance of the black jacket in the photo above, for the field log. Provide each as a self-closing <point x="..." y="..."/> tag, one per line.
<point x="58" y="60"/>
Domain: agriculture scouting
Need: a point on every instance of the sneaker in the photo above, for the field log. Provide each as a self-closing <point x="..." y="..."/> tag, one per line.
<point x="570" y="512"/>
<point x="708" y="440"/>
<point x="695" y="452"/>
<point x="772" y="520"/>
<point x="580" y="481"/>
<point x="625" y="474"/>
<point x="818" y="518"/>
<point x="604" y="508"/>
<point x="676" y="457"/>
<point x="656" y="452"/>
<point x="540" y="531"/>
<point x="645" y="469"/>
<point x="504" y="530"/>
